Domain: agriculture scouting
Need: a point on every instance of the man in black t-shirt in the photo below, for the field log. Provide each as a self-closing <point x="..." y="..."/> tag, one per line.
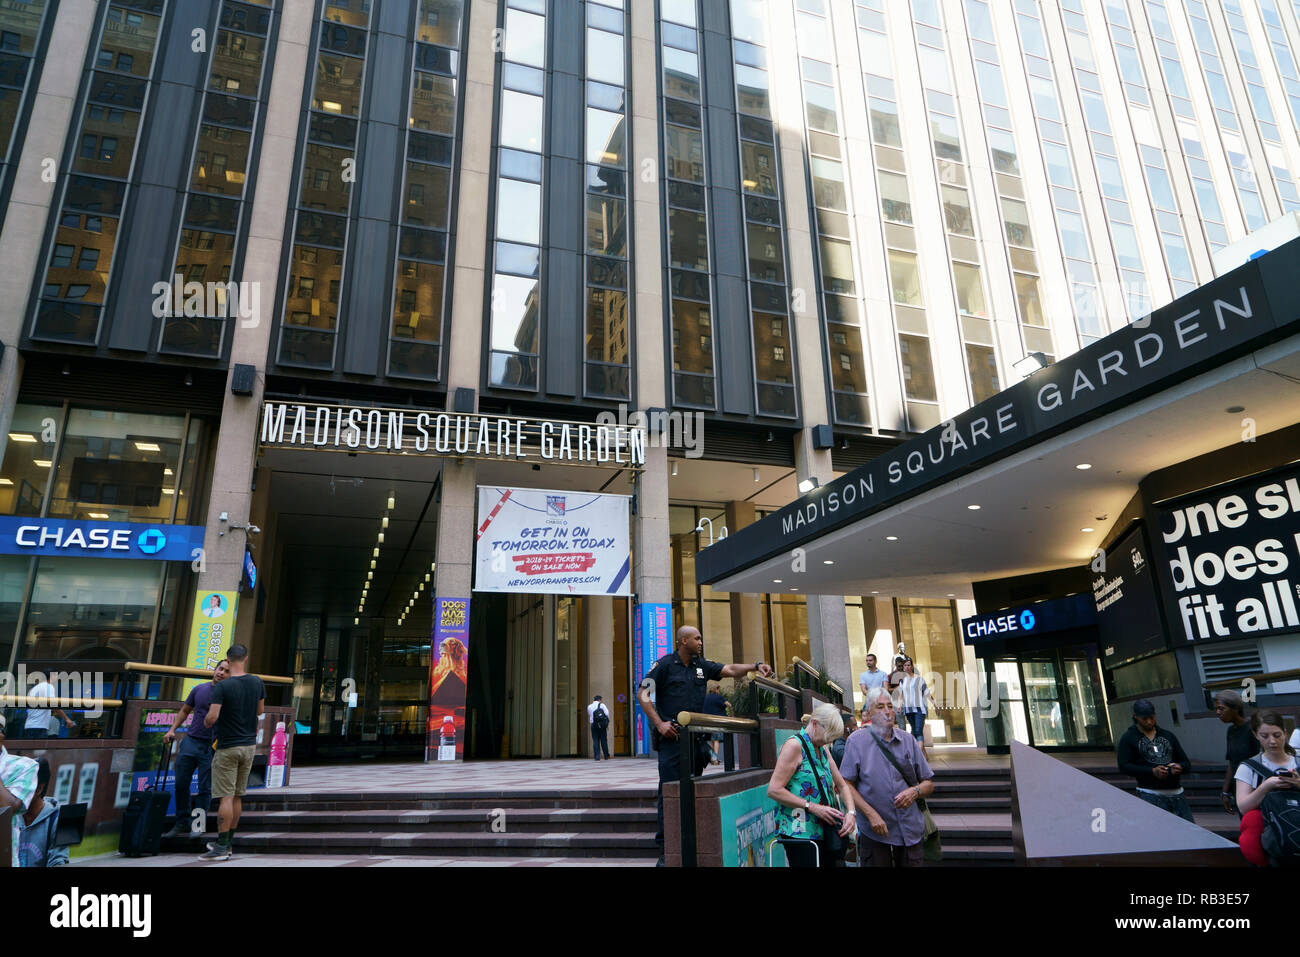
<point x="680" y="682"/>
<point x="1242" y="743"/>
<point x="236" y="705"/>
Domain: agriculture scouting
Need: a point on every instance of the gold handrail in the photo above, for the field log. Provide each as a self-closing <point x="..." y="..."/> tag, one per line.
<point x="176" y="671"/>
<point x="1265" y="678"/>
<point x="37" y="702"/>
<point x="715" y="722"/>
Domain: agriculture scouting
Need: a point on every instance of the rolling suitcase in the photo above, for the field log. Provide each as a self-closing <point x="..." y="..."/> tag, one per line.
<point x="146" y="814"/>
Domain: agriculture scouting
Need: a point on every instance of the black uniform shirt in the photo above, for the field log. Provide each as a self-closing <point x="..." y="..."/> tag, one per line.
<point x="680" y="687"/>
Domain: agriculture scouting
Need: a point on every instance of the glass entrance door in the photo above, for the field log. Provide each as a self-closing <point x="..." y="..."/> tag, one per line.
<point x="1047" y="717"/>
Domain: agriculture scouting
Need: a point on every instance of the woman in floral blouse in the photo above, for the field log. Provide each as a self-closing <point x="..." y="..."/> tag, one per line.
<point x="805" y="771"/>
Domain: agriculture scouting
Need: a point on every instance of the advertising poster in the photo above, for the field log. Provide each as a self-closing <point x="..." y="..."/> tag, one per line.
<point x="1128" y="610"/>
<point x="448" y="678"/>
<point x="652" y="631"/>
<point x="1230" y="559"/>
<point x="211" y="630"/>
<point x="748" y="824"/>
<point x="552" y="542"/>
<point x="149" y="748"/>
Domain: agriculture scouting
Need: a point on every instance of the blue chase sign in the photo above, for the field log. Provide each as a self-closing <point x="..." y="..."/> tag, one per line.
<point x="75" y="539"/>
<point x="1058" y="614"/>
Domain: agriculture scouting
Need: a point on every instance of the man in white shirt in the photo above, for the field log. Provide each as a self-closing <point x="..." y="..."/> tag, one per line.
<point x="40" y="721"/>
<point x="599" y="727"/>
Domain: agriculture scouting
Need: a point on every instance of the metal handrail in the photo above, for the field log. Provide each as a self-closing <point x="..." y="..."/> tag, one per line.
<point x="45" y="704"/>
<point x="1264" y="678"/>
<point x="177" y="671"/>
<point x="698" y="721"/>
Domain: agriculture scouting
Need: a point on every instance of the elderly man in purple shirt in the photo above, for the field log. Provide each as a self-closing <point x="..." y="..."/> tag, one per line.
<point x="890" y="825"/>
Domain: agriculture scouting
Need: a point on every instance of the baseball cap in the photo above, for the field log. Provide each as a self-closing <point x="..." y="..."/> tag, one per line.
<point x="1142" y="708"/>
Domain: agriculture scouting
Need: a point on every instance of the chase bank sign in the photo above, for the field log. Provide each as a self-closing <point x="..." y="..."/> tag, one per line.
<point x="76" y="539"/>
<point x="1044" y="617"/>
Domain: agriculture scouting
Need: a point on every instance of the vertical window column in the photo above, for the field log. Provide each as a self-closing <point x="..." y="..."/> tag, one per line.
<point x="685" y="202"/>
<point x="95" y="190"/>
<point x="843" y="330"/>
<point x="21" y="28"/>
<point x="419" y="293"/>
<point x="902" y="259"/>
<point x="1124" y="241"/>
<point x="764" y="225"/>
<point x="1072" y="230"/>
<point x="607" y="349"/>
<point x="954" y="199"/>
<point x="1017" y="236"/>
<point x="309" y="332"/>
<point x="215" y="204"/>
<point x="516" y="307"/>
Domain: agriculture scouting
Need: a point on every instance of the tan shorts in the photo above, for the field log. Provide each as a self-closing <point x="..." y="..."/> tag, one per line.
<point x="230" y="767"/>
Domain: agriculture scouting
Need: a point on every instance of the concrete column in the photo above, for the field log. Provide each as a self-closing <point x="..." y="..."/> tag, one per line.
<point x="598" y="673"/>
<point x="652" y="555"/>
<point x="746" y="609"/>
<point x="455" y="557"/>
<point x="33" y="193"/>
<point x="464" y="334"/>
<point x="234" y="461"/>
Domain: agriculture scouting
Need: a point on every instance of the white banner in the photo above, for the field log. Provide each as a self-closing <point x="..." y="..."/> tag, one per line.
<point x="552" y="542"/>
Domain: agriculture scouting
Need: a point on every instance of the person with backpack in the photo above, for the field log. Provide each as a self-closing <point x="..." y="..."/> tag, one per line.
<point x="598" y="716"/>
<point x="1268" y="796"/>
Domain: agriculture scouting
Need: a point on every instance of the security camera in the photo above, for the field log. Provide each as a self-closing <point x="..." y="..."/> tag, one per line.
<point x="254" y="530"/>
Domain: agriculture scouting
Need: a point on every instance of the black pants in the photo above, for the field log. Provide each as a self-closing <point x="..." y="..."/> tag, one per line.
<point x="194" y="755"/>
<point x="801" y="853"/>
<point x="599" y="742"/>
<point x="670" y="769"/>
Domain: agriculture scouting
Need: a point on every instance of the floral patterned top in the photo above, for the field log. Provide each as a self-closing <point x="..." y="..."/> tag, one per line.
<point x="793" y="822"/>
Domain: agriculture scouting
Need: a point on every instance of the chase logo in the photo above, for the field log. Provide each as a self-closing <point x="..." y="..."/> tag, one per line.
<point x="1027" y="620"/>
<point x="151" y="541"/>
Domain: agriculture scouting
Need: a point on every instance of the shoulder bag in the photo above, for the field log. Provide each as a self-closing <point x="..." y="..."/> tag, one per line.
<point x="931" y="845"/>
<point x="835" y="845"/>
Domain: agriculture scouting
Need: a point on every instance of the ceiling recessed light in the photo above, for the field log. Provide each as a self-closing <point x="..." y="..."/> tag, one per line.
<point x="375" y="552"/>
<point x="755" y="475"/>
<point x="827" y="561"/>
<point x="381" y="538"/>
<point x="1083" y="466"/>
<point x="100" y="515"/>
<point x="427" y="576"/>
<point x="973" y="508"/>
<point x="891" y="538"/>
<point x="1234" y="409"/>
<point x="1088" y="529"/>
<point x="148" y="446"/>
<point x="794" y="587"/>
<point x="392" y="503"/>
<point x="168" y="472"/>
<point x="21" y="437"/>
<point x="384" y="522"/>
<point x="776" y="581"/>
<point x="875" y="593"/>
<point x="5" y="481"/>
<point x="951" y="595"/>
<point x="169" y="491"/>
<point x="372" y="563"/>
<point x="674" y="468"/>
<point x="42" y="463"/>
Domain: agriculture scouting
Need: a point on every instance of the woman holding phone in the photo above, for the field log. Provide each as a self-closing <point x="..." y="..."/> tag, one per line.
<point x="1279" y="759"/>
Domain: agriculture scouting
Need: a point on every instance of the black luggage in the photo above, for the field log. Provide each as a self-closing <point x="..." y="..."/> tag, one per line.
<point x="146" y="814"/>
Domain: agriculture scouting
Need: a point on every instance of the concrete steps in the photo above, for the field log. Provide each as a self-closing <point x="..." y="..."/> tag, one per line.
<point x="972" y="807"/>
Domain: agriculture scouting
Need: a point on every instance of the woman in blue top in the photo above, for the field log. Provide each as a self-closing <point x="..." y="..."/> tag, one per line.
<point x="805" y="778"/>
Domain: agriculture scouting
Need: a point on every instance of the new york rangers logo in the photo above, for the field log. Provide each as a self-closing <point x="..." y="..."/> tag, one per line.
<point x="555" y="506"/>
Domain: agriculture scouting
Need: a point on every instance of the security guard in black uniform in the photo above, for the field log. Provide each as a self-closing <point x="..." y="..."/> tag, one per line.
<point x="680" y="682"/>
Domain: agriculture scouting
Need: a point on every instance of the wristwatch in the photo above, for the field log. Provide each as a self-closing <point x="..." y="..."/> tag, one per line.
<point x="757" y="665"/>
<point x="806" y="807"/>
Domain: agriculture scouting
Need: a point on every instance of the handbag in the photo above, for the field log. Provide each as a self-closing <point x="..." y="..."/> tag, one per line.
<point x="931" y="845"/>
<point x="835" y="845"/>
